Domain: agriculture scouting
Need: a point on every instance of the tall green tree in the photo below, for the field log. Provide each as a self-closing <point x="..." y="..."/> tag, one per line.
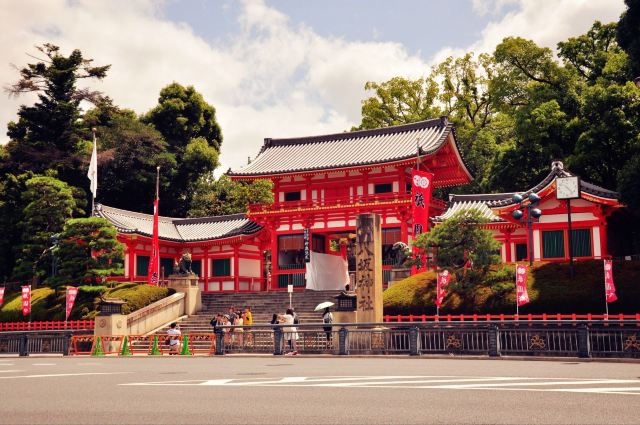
<point x="399" y="101"/>
<point x="46" y="134"/>
<point x="459" y="239"/>
<point x="128" y="153"/>
<point x="48" y="203"/>
<point x="87" y="251"/>
<point x="188" y="124"/>
<point x="627" y="35"/>
<point x="11" y="206"/>
<point x="225" y="196"/>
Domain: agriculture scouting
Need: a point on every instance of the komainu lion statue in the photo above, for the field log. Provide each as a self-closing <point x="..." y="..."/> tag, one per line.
<point x="184" y="265"/>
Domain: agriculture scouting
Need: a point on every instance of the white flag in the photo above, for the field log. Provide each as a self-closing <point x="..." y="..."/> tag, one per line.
<point x="93" y="169"/>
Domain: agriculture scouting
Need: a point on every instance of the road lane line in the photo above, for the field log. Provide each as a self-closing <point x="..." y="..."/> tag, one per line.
<point x="506" y="384"/>
<point x="56" y="375"/>
<point x="43" y="364"/>
<point x="417" y="381"/>
<point x="11" y="370"/>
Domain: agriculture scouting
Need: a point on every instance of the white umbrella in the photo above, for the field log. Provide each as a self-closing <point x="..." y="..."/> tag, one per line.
<point x="323" y="305"/>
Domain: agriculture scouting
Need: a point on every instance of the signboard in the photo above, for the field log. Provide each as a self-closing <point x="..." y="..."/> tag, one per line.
<point x="26" y="300"/>
<point x="443" y="282"/>
<point x="289" y="288"/>
<point x="420" y="201"/>
<point x="609" y="287"/>
<point x="72" y="293"/>
<point x="522" y="297"/>
<point x="1" y="295"/>
<point x="307" y="245"/>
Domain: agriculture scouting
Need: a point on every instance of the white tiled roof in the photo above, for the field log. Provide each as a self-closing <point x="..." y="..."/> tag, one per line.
<point x="456" y="207"/>
<point x="178" y="229"/>
<point x="348" y="149"/>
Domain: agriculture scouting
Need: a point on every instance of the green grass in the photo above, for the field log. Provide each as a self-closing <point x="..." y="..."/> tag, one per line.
<point x="49" y="304"/>
<point x="550" y="288"/>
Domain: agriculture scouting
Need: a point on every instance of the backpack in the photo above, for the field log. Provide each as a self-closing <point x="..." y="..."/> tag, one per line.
<point x="327" y="318"/>
<point x="296" y="321"/>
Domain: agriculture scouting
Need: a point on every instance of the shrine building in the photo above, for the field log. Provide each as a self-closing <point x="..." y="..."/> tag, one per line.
<point x="589" y="213"/>
<point x="320" y="185"/>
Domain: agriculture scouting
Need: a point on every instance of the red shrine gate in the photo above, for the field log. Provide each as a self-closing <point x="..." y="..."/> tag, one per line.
<point x="322" y="183"/>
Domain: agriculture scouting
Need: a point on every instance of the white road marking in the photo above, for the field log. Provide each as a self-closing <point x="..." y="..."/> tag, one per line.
<point x="424" y="381"/>
<point x="43" y="364"/>
<point x="506" y="384"/>
<point x="487" y="383"/>
<point x="10" y="370"/>
<point x="56" y="375"/>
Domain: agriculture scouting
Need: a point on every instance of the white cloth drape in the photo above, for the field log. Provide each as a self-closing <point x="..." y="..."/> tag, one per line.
<point x="326" y="272"/>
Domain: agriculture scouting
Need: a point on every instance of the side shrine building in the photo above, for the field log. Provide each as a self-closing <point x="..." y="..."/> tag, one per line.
<point x="320" y="185"/>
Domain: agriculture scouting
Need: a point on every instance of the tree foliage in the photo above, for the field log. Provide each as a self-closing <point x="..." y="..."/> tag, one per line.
<point x="193" y="136"/>
<point x="459" y="239"/>
<point x="48" y="203"/>
<point x="517" y="110"/>
<point x="627" y="34"/>
<point x="45" y="136"/>
<point x="226" y="196"/>
<point x="87" y="250"/>
<point x="128" y="153"/>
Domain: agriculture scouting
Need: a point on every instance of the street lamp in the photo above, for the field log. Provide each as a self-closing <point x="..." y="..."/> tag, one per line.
<point x="532" y="215"/>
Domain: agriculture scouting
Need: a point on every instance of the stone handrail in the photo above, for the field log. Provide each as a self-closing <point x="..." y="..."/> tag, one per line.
<point x="156" y="314"/>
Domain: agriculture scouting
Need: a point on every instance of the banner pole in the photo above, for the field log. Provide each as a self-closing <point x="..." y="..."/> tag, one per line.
<point x="517" y="307"/>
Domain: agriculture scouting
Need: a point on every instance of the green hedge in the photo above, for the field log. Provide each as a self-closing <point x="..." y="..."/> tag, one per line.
<point x="550" y="288"/>
<point x="49" y="304"/>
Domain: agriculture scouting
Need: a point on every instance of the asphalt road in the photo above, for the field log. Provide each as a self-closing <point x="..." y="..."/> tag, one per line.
<point x="299" y="390"/>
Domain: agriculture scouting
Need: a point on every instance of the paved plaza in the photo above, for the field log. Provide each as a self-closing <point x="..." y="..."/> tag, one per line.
<point x="303" y="390"/>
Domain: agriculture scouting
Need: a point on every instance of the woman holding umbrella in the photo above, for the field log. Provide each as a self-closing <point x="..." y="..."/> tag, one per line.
<point x="327" y="318"/>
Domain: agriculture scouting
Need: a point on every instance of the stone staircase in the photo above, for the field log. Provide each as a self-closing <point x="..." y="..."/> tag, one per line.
<point x="263" y="305"/>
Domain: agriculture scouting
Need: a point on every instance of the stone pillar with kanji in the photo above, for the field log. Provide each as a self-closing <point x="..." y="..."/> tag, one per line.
<point x="369" y="268"/>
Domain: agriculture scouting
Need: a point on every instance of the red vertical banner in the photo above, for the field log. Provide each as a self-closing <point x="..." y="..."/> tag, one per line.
<point x="420" y="201"/>
<point x="1" y="295"/>
<point x="522" y="297"/>
<point x="72" y="293"/>
<point x="153" y="274"/>
<point x="26" y="300"/>
<point x="609" y="287"/>
<point x="443" y="282"/>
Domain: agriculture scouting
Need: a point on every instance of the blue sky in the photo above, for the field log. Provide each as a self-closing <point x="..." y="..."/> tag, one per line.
<point x="422" y="26"/>
<point x="274" y="68"/>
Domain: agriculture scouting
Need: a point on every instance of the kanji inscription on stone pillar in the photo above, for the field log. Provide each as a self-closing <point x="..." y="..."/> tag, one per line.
<point x="369" y="268"/>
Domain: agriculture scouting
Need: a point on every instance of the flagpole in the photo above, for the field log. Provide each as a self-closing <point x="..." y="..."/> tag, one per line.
<point x="93" y="194"/>
<point x="158" y="206"/>
<point x="517" y="306"/>
<point x="606" y="302"/>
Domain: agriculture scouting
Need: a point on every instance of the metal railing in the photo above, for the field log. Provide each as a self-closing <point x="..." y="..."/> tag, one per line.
<point x="488" y="318"/>
<point x="49" y="325"/>
<point x="484" y="339"/>
<point x="24" y="343"/>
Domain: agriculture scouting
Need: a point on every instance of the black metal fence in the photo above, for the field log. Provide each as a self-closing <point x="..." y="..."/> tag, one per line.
<point x="610" y="339"/>
<point x="24" y="343"/>
<point x="595" y="339"/>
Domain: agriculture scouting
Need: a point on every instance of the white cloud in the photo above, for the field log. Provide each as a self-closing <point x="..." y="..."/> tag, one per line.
<point x="273" y="79"/>
<point x="544" y="21"/>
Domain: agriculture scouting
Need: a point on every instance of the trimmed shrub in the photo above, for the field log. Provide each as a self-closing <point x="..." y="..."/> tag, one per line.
<point x="550" y="288"/>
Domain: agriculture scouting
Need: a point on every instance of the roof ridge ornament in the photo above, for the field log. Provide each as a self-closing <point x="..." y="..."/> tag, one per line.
<point x="557" y="166"/>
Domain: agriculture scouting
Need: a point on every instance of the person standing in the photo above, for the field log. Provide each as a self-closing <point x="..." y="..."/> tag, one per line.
<point x="327" y="319"/>
<point x="248" y="321"/>
<point x="174" y="338"/>
<point x="290" y="332"/>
